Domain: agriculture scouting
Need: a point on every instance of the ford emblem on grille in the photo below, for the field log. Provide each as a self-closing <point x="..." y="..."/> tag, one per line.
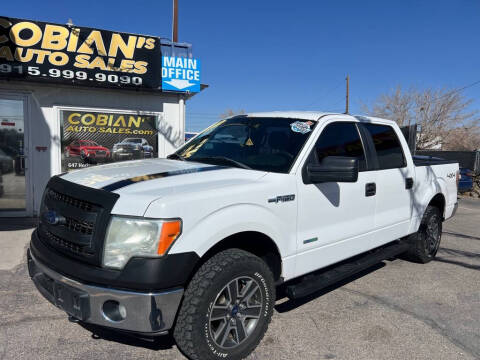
<point x="53" y="218"/>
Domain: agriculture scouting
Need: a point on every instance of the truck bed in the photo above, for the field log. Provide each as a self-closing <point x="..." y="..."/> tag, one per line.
<point x="422" y="160"/>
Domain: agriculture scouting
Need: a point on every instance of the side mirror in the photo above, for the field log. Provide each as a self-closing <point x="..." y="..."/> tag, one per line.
<point x="332" y="169"/>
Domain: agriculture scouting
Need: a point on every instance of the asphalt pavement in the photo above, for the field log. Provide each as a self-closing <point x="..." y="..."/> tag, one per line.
<point x="396" y="310"/>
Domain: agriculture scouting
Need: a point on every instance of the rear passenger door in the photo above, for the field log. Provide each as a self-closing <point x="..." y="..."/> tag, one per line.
<point x="394" y="182"/>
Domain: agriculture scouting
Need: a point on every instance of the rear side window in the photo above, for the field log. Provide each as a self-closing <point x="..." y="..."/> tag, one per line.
<point x="340" y="139"/>
<point x="388" y="147"/>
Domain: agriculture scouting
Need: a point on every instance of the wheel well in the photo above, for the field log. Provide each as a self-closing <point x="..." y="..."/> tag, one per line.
<point x="439" y="202"/>
<point x="254" y="242"/>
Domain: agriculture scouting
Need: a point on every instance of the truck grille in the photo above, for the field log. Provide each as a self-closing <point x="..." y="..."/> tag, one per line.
<point x="66" y="199"/>
<point x="65" y="245"/>
<point x="74" y="219"/>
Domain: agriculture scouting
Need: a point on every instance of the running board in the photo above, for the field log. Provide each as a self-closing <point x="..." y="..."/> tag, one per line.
<point x="318" y="280"/>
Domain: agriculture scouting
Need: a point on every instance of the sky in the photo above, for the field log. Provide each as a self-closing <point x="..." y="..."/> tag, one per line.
<point x="262" y="55"/>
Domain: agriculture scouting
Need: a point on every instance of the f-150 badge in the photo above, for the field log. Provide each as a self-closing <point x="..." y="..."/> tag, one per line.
<point x="282" y="198"/>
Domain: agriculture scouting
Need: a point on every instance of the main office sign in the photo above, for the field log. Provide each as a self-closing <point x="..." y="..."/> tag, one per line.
<point x="180" y="74"/>
<point x="39" y="51"/>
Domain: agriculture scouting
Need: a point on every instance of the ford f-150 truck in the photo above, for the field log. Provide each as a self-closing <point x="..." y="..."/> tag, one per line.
<point x="198" y="243"/>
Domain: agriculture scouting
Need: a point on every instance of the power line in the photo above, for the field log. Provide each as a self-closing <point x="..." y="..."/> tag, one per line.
<point x="467" y="86"/>
<point x="449" y="93"/>
<point x="336" y="103"/>
<point x="326" y="94"/>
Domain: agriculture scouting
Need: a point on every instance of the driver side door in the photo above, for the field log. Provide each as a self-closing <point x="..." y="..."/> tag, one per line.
<point x="335" y="219"/>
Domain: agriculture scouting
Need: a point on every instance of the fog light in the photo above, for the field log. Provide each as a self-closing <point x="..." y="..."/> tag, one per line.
<point x="114" y="311"/>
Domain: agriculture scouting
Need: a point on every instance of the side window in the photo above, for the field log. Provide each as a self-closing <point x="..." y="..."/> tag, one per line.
<point x="340" y="139"/>
<point x="388" y="147"/>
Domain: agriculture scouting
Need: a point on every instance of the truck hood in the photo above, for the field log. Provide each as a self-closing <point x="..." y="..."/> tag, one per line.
<point x="141" y="182"/>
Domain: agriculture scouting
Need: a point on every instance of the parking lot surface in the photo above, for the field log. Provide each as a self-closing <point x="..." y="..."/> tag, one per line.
<point x="396" y="310"/>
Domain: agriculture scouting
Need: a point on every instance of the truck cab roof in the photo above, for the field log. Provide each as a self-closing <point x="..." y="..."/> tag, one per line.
<point x="315" y="116"/>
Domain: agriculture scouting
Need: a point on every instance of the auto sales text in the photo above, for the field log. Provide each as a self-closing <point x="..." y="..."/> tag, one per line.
<point x="62" y="45"/>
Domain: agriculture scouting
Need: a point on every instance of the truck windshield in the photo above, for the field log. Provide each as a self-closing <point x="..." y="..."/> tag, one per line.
<point x="267" y="144"/>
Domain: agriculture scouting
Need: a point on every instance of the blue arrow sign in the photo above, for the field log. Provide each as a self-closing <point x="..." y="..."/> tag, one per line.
<point x="180" y="74"/>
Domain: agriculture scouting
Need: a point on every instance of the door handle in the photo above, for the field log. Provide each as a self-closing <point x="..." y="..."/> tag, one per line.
<point x="408" y="183"/>
<point x="370" y="189"/>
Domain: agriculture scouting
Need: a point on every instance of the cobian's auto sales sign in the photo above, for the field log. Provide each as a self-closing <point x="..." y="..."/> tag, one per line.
<point x="40" y="51"/>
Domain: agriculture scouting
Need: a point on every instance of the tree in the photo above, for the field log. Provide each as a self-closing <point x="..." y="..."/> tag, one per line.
<point x="440" y="113"/>
<point x="463" y="138"/>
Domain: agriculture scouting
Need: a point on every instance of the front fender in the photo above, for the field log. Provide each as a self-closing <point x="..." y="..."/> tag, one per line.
<point x="224" y="222"/>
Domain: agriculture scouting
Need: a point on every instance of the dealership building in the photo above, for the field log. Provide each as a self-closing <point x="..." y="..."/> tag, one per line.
<point x="73" y="97"/>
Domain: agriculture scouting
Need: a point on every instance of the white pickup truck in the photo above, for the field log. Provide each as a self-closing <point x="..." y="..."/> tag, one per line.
<point x="197" y="243"/>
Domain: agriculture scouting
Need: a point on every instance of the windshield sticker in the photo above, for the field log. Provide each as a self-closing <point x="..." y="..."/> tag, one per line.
<point x="301" y="127"/>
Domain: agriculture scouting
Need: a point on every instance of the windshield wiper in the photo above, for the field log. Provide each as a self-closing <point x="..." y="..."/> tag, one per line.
<point x="223" y="159"/>
<point x="175" y="156"/>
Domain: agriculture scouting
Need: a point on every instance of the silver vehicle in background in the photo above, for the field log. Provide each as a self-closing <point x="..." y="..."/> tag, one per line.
<point x="132" y="148"/>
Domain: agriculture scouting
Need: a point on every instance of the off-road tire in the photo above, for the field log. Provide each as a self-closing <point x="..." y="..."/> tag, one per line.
<point x="193" y="333"/>
<point x="423" y="247"/>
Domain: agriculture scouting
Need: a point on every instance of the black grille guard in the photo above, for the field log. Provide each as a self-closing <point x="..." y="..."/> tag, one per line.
<point x="84" y="213"/>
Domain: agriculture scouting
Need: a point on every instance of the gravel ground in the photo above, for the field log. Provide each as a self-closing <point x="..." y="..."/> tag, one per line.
<point x="396" y="310"/>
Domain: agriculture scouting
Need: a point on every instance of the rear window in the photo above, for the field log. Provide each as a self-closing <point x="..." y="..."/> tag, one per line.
<point x="387" y="145"/>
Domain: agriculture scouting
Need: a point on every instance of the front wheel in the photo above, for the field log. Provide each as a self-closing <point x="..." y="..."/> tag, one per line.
<point x="426" y="241"/>
<point x="227" y="307"/>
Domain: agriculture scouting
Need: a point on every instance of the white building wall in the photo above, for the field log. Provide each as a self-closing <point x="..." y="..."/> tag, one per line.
<point x="45" y="100"/>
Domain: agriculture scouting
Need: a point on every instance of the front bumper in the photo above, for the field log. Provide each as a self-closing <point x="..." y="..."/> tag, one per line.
<point x="140" y="312"/>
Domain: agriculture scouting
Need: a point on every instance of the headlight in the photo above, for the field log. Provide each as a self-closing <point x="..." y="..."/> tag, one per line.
<point x="128" y="237"/>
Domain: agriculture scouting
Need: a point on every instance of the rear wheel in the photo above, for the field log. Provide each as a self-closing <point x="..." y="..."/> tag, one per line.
<point x="426" y="241"/>
<point x="227" y="307"/>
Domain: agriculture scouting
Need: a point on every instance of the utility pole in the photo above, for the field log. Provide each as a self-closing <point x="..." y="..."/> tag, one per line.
<point x="175" y="21"/>
<point x="347" y="95"/>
